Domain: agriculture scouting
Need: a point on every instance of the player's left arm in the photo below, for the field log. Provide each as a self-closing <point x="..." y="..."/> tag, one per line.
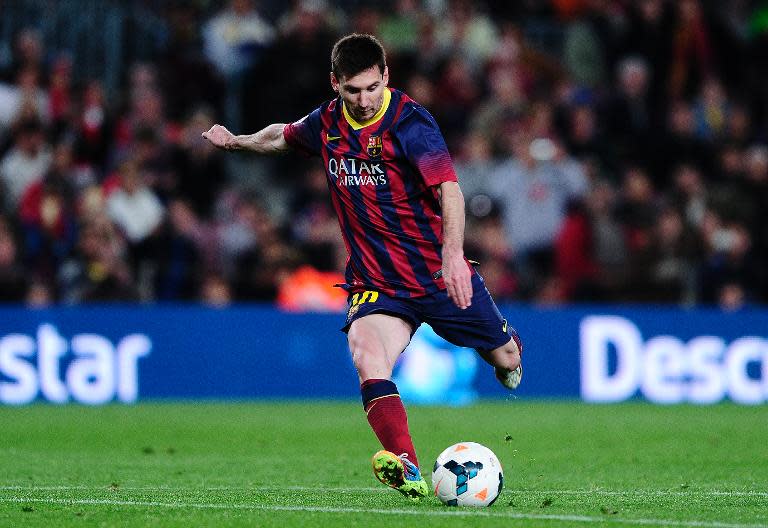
<point x="456" y="274"/>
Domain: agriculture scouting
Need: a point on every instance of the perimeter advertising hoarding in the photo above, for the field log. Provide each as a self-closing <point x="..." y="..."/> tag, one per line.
<point x="95" y="355"/>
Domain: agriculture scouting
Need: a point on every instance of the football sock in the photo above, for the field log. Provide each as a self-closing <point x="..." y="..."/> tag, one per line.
<point x="387" y="416"/>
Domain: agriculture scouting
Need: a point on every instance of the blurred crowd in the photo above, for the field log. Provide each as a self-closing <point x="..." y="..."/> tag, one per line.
<point x="609" y="151"/>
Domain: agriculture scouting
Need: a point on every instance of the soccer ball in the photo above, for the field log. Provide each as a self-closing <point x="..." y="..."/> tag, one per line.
<point x="467" y="474"/>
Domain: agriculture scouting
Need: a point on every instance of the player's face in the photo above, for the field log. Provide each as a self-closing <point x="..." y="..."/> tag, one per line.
<point x="363" y="94"/>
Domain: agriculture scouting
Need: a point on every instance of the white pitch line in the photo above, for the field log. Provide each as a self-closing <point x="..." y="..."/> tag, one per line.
<point x="393" y="511"/>
<point x="676" y="493"/>
<point x="618" y="493"/>
<point x="252" y="487"/>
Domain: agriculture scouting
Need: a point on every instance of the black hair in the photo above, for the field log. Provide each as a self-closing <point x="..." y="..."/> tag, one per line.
<point x="356" y="53"/>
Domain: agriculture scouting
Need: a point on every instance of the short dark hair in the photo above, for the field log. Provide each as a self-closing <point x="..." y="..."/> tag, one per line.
<point x="356" y="53"/>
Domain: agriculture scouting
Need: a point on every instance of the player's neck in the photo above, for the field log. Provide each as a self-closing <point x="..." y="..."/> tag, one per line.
<point x="357" y="125"/>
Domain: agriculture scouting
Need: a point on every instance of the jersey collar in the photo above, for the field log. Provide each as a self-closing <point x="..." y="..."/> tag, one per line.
<point x="378" y="115"/>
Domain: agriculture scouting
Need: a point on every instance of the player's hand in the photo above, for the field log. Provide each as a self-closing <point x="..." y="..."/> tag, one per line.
<point x="220" y="137"/>
<point x="458" y="278"/>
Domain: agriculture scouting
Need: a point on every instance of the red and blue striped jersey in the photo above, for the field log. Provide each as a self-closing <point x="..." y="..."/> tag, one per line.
<point x="382" y="175"/>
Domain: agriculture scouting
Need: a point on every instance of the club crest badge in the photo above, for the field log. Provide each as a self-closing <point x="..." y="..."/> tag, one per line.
<point x="374" y="147"/>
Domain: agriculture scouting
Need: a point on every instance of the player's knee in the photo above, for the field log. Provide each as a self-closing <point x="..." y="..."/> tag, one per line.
<point x="370" y="364"/>
<point x="366" y="355"/>
<point x="508" y="355"/>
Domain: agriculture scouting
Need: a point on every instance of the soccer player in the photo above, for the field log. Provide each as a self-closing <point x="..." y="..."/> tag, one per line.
<point x="401" y="214"/>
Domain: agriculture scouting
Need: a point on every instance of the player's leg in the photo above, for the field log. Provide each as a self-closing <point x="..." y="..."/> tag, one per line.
<point x="482" y="327"/>
<point x="506" y="361"/>
<point x="376" y="341"/>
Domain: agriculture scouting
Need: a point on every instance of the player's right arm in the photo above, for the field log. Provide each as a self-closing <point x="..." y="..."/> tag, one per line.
<point x="269" y="140"/>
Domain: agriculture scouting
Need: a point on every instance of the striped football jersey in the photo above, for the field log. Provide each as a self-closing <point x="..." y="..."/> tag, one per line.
<point x="383" y="176"/>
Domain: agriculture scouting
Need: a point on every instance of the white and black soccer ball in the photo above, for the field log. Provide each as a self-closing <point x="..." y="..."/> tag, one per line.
<point x="467" y="474"/>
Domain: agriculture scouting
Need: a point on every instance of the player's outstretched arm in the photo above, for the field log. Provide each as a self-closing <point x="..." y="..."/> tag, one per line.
<point x="269" y="140"/>
<point x="458" y="279"/>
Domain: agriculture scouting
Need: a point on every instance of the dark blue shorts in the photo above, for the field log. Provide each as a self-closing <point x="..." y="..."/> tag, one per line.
<point x="480" y="326"/>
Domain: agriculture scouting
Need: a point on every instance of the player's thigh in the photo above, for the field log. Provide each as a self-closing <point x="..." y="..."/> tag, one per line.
<point x="378" y="340"/>
<point x="480" y="326"/>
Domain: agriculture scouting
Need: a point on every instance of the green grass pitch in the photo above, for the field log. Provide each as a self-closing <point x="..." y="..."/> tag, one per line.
<point x="277" y="464"/>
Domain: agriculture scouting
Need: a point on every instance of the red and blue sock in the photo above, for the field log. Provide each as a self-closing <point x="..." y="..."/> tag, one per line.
<point x="387" y="416"/>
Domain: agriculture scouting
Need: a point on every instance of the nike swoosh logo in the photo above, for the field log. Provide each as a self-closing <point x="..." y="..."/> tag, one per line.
<point x="332" y="138"/>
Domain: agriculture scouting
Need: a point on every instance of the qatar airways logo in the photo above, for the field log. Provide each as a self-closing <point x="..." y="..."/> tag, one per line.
<point x="350" y="172"/>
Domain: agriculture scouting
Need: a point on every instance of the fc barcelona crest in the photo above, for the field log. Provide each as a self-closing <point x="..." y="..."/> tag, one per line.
<point x="374" y="147"/>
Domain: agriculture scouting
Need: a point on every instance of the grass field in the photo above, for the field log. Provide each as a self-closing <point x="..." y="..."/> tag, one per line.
<point x="307" y="464"/>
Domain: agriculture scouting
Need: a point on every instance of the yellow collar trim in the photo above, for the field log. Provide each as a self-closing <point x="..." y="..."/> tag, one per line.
<point x="378" y="115"/>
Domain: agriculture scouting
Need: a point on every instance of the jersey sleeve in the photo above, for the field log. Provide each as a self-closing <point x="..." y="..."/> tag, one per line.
<point x="304" y="134"/>
<point x="425" y="148"/>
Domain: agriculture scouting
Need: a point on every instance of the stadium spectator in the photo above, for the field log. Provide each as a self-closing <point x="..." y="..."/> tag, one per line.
<point x="39" y="295"/>
<point x="187" y="73"/>
<point x="93" y="128"/>
<point x="692" y="54"/>
<point x="586" y="47"/>
<point x="680" y="144"/>
<point x="661" y="271"/>
<point x="689" y="195"/>
<point x="314" y="225"/>
<point x="200" y="174"/>
<point x="32" y="101"/>
<point x="575" y="266"/>
<point x="174" y="255"/>
<point x="25" y="163"/>
<point x="215" y="291"/>
<point x="48" y="218"/>
<point x="399" y="29"/>
<point x="533" y="188"/>
<point x="609" y="243"/>
<point x="28" y="51"/>
<point x="429" y="53"/>
<point x="98" y="270"/>
<point x="636" y="209"/>
<point x="649" y="36"/>
<point x="732" y="297"/>
<point x="21" y="96"/>
<point x="506" y="101"/>
<point x="234" y="40"/>
<point x="487" y="243"/>
<point x="629" y="118"/>
<point x="13" y="279"/>
<point x="467" y="33"/>
<point x="712" y="111"/>
<point x="238" y="228"/>
<point x="475" y="164"/>
<point x="456" y="94"/>
<point x="133" y="207"/>
<point x="584" y="137"/>
<point x="731" y="258"/>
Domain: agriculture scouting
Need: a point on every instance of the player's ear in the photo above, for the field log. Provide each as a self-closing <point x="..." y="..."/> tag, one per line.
<point x="386" y="75"/>
<point x="334" y="83"/>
